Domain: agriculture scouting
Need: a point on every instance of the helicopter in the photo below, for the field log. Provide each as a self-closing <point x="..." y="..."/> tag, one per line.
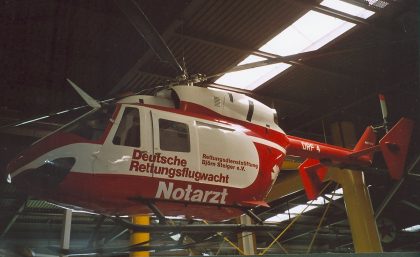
<point x="190" y="150"/>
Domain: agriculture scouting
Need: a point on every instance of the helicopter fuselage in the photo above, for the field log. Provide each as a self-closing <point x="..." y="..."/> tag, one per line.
<point x="187" y="160"/>
<point x="188" y="151"/>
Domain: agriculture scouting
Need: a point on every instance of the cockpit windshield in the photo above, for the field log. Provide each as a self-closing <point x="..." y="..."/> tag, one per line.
<point x="92" y="125"/>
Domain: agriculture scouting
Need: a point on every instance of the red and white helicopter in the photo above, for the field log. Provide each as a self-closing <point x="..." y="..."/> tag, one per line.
<point x="189" y="150"/>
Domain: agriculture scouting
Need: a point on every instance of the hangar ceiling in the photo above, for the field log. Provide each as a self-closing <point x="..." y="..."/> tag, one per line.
<point x="93" y="43"/>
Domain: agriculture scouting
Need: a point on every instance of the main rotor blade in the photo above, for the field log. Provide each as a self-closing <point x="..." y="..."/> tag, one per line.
<point x="43" y="117"/>
<point x="309" y="55"/>
<point x="142" y="24"/>
<point x="87" y="98"/>
<point x="266" y="62"/>
<point x="46" y="116"/>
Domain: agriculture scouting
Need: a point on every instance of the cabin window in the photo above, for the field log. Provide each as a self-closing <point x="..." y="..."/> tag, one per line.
<point x="128" y="132"/>
<point x="174" y="136"/>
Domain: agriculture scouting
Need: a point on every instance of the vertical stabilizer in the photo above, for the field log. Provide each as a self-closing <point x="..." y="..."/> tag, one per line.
<point x="394" y="147"/>
<point x="366" y="142"/>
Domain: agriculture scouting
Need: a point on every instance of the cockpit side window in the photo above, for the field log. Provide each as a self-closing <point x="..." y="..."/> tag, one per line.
<point x="91" y="126"/>
<point x="128" y="132"/>
<point x="174" y="136"/>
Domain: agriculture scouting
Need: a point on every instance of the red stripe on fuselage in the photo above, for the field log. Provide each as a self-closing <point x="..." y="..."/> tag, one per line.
<point x="127" y="195"/>
<point x="115" y="193"/>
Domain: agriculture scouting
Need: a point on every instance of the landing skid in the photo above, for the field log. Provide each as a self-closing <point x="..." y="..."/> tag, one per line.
<point x="193" y="228"/>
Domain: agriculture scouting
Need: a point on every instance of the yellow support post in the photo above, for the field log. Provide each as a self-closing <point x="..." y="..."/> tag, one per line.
<point x="288" y="184"/>
<point x="140" y="237"/>
<point x="359" y="210"/>
<point x="246" y="240"/>
<point x="356" y="196"/>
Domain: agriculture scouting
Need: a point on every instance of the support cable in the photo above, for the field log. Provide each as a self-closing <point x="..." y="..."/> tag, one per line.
<point x="291" y="223"/>
<point x="321" y="221"/>
<point x="227" y="240"/>
<point x="260" y="221"/>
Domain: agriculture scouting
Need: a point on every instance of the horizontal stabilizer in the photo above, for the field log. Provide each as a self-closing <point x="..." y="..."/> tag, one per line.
<point x="312" y="172"/>
<point x="394" y="147"/>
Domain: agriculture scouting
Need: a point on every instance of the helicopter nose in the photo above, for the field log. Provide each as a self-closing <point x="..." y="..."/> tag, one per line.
<point x="45" y="177"/>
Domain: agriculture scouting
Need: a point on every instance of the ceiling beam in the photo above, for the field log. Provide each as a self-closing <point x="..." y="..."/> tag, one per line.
<point x="365" y="5"/>
<point x="9" y="224"/>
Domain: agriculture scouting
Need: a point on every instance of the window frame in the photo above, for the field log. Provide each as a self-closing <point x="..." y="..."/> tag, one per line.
<point x="187" y="133"/>
<point x="125" y="130"/>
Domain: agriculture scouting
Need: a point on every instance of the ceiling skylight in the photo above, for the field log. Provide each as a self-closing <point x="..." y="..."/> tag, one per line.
<point x="310" y="32"/>
<point x="310" y="205"/>
<point x="347" y="8"/>
<point x="415" y="228"/>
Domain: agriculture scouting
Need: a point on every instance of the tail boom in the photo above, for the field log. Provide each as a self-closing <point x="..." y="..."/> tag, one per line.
<point x="394" y="147"/>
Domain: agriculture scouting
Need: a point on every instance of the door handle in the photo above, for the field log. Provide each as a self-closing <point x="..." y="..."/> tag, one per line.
<point x="95" y="155"/>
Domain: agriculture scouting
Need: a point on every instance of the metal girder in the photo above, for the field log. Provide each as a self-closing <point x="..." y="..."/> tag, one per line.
<point x="388" y="197"/>
<point x="413" y="205"/>
<point x="246" y="240"/>
<point x="196" y="228"/>
<point x="65" y="233"/>
<point x="394" y="190"/>
<point x="22" y="204"/>
<point x="363" y="5"/>
<point x="413" y="165"/>
<point x="94" y="235"/>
